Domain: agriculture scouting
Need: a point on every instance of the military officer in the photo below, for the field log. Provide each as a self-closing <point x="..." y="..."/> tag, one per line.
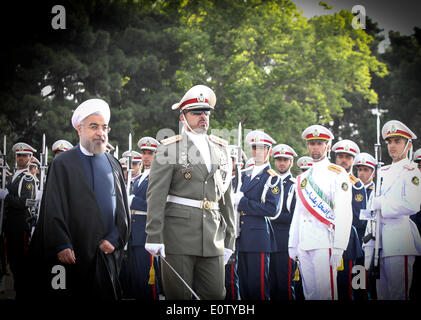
<point x="257" y="201"/>
<point x="399" y="198"/>
<point x="136" y="163"/>
<point x="322" y="219"/>
<point x="60" y="146"/>
<point x="141" y="270"/>
<point x="123" y="161"/>
<point x="304" y="163"/>
<point x="190" y="219"/>
<point x="345" y="153"/>
<point x="417" y="158"/>
<point x="281" y="266"/>
<point x="19" y="188"/>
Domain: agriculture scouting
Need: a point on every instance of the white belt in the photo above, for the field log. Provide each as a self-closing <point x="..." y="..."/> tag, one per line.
<point x="202" y="204"/>
<point x="142" y="213"/>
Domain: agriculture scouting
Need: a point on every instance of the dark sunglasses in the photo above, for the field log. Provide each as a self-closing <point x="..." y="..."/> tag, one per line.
<point x="198" y="112"/>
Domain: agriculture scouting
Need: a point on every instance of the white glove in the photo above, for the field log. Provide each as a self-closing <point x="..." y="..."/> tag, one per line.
<point x="155" y="249"/>
<point x="293" y="252"/>
<point x="336" y="258"/>
<point x="3" y="193"/>
<point x="377" y="203"/>
<point x="237" y="197"/>
<point x="38" y="196"/>
<point x="227" y="255"/>
<point x="368" y="256"/>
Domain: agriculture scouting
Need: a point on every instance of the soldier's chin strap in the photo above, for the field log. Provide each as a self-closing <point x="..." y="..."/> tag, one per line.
<point x="186" y="123"/>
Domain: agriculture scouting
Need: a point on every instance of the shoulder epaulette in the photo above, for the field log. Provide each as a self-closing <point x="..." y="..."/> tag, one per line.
<point x="335" y="168"/>
<point x="353" y="179"/>
<point x="371" y="187"/>
<point x="409" y="168"/>
<point x="218" y="140"/>
<point x="293" y="180"/>
<point x="385" y="168"/>
<point x="272" y="173"/>
<point x="172" y="139"/>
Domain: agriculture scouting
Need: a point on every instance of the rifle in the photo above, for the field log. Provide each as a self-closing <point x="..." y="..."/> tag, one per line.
<point x="116" y="152"/>
<point x="43" y="157"/>
<point x="3" y="180"/>
<point x="129" y="167"/>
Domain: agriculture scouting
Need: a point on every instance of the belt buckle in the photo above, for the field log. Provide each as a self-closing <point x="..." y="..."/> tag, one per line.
<point x="206" y="204"/>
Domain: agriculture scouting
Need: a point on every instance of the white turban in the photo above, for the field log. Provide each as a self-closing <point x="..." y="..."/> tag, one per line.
<point x="91" y="106"/>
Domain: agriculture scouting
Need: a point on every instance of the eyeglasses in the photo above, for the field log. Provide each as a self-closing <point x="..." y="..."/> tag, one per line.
<point x="198" y="112"/>
<point x="95" y="127"/>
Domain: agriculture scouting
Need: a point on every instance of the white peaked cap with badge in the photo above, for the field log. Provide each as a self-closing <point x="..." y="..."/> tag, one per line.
<point x="23" y="148"/>
<point x="136" y="156"/>
<point x="233" y="150"/>
<point x="61" y="145"/>
<point x="91" y="106"/>
<point x="250" y="163"/>
<point x="365" y="159"/>
<point x="317" y="132"/>
<point x="346" y="146"/>
<point x="34" y="162"/>
<point x="123" y="162"/>
<point x="148" y="143"/>
<point x="257" y="137"/>
<point x="284" y="151"/>
<point x="417" y="155"/>
<point x="197" y="97"/>
<point x="305" y="162"/>
<point x="395" y="128"/>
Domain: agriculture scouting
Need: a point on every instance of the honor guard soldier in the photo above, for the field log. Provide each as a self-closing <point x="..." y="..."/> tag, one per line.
<point x="123" y="161"/>
<point x="19" y="187"/>
<point x="345" y="153"/>
<point x="322" y="219"/>
<point x="257" y="201"/>
<point x="399" y="198"/>
<point x="136" y="163"/>
<point x="190" y="219"/>
<point x="304" y="163"/>
<point x="61" y="146"/>
<point x="415" y="291"/>
<point x="34" y="166"/>
<point x="366" y="171"/>
<point x="141" y="264"/>
<point x="281" y="266"/>
<point x="232" y="285"/>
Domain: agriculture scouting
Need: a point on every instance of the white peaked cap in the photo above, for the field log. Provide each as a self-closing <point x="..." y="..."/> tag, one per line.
<point x="136" y="156"/>
<point x="365" y="159"/>
<point x="417" y="155"/>
<point x="305" y="162"/>
<point x="394" y="128"/>
<point x="148" y="143"/>
<point x="346" y="146"/>
<point x="61" y="145"/>
<point x="317" y="132"/>
<point x="197" y="97"/>
<point x="23" y="148"/>
<point x="257" y="137"/>
<point x="284" y="151"/>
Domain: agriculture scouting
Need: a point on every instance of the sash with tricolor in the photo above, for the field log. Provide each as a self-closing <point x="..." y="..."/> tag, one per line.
<point x="314" y="200"/>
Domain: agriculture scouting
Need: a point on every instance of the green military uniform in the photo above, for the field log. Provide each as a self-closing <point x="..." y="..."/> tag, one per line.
<point x="192" y="235"/>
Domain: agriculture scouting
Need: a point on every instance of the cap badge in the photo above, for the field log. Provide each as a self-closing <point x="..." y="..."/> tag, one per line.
<point x="393" y="129"/>
<point x="347" y="147"/>
<point x="148" y="143"/>
<point x="201" y="98"/>
<point x="316" y="132"/>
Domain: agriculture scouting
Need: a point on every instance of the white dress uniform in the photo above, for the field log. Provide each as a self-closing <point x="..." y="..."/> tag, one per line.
<point x="400" y="240"/>
<point x="313" y="241"/>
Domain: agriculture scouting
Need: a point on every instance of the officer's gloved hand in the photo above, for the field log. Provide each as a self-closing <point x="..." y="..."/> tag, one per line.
<point x="156" y="249"/>
<point x="237" y="197"/>
<point x="377" y="203"/>
<point x="227" y="255"/>
<point x="336" y="258"/>
<point x="368" y="256"/>
<point x="293" y="252"/>
<point x="3" y="193"/>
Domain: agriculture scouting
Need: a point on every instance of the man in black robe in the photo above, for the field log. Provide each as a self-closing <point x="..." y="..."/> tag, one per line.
<point x="84" y="220"/>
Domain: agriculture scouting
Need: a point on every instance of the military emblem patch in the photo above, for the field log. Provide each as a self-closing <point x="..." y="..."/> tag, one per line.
<point x="304" y="183"/>
<point x="358" y="197"/>
<point x="29" y="186"/>
<point x="415" y="181"/>
<point x="344" y="186"/>
<point x="187" y="176"/>
<point x="275" y="190"/>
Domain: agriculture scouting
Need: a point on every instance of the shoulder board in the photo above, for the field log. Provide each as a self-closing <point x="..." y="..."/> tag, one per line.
<point x="409" y="168"/>
<point x="335" y="168"/>
<point x="218" y="140"/>
<point x="371" y="187"/>
<point x="353" y="179"/>
<point x="272" y="173"/>
<point x="172" y="139"/>
<point x="385" y="168"/>
<point x="293" y="180"/>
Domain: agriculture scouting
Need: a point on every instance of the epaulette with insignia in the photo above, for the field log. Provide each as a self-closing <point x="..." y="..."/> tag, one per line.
<point x="353" y="179"/>
<point x="335" y="168"/>
<point x="385" y="168"/>
<point x="272" y="173"/>
<point x="409" y="168"/>
<point x="172" y="139"/>
<point x="218" y="140"/>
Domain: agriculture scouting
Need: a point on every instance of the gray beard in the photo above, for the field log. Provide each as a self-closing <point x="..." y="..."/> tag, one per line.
<point x="92" y="147"/>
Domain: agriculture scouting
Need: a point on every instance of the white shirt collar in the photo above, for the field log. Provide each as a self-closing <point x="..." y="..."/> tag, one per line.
<point x="257" y="169"/>
<point x="286" y="174"/>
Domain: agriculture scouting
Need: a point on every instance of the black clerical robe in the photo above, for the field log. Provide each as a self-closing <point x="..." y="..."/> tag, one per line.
<point x="70" y="214"/>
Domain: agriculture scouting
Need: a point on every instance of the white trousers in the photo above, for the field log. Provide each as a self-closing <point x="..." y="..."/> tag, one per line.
<point x="319" y="278"/>
<point x="395" y="277"/>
